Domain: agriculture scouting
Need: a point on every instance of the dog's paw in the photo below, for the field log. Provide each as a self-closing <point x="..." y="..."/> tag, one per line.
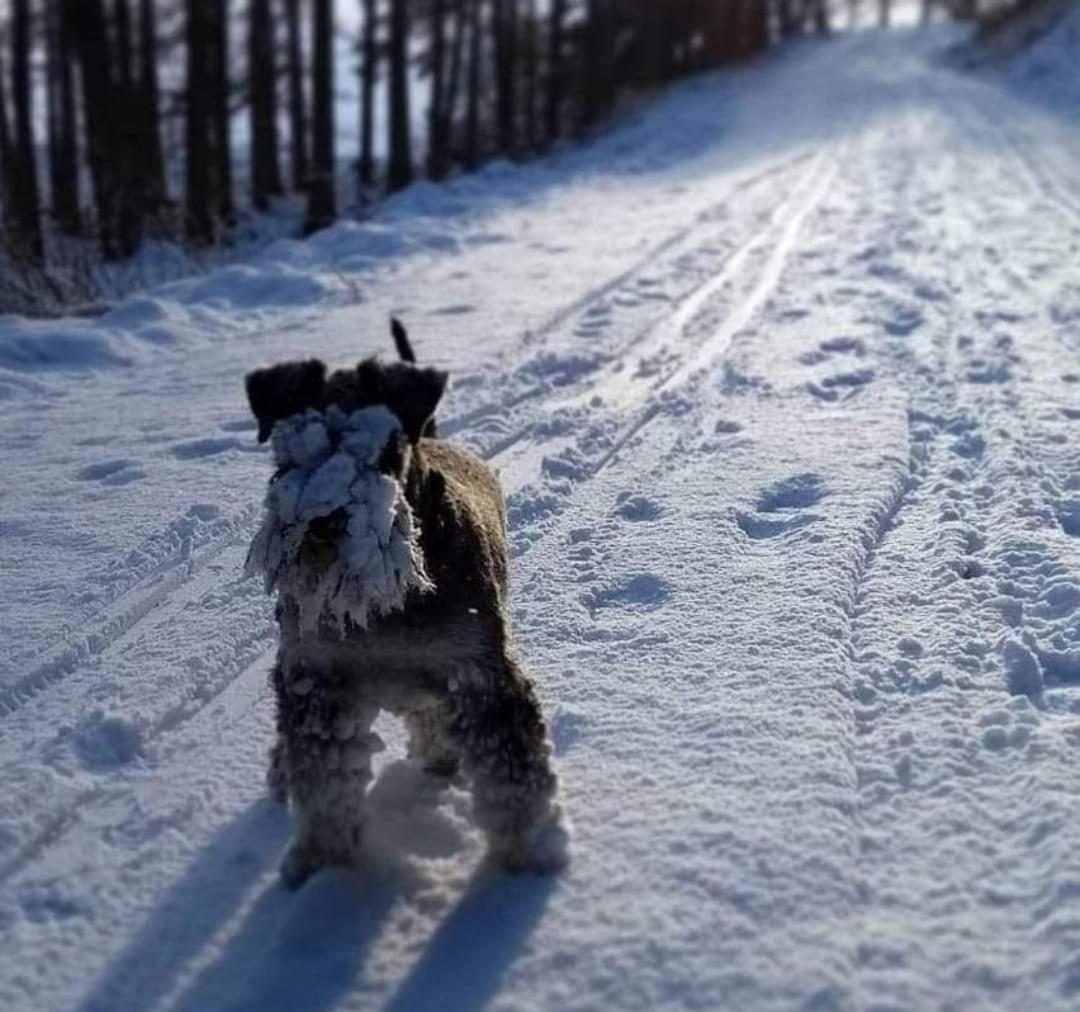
<point x="543" y="849"/>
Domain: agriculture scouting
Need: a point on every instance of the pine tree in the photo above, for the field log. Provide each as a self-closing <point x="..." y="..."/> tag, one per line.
<point x="322" y="204"/>
<point x="62" y="123"/>
<point x="298" y="132"/>
<point x="23" y="203"/>
<point x="369" y="63"/>
<point x="262" y="105"/>
<point x="555" y="70"/>
<point x="150" y="110"/>
<point x="399" y="169"/>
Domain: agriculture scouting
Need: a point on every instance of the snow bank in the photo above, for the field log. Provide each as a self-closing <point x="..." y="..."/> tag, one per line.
<point x="68" y="344"/>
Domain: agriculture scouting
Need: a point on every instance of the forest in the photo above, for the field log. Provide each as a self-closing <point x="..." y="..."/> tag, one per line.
<point x="127" y="120"/>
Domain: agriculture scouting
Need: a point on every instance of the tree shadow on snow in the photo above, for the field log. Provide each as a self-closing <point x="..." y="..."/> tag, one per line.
<point x="476" y="943"/>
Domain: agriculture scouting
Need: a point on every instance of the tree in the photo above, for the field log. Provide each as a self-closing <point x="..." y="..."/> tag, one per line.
<point x="532" y="74"/>
<point x="220" y="126"/>
<point x="123" y="49"/>
<point x="369" y="62"/>
<point x="150" y="109"/>
<point x="555" y="69"/>
<point x="262" y="105"/>
<point x="200" y="200"/>
<point x="472" y="113"/>
<point x="437" y="114"/>
<point x="23" y="201"/>
<point x="504" y="31"/>
<point x="298" y="139"/>
<point x="322" y="203"/>
<point x="399" y="169"/>
<point x="62" y="123"/>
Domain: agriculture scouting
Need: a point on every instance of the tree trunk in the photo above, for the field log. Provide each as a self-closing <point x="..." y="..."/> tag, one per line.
<point x="322" y="202"/>
<point x="399" y="171"/>
<point x="504" y="32"/>
<point x="149" y="100"/>
<point x="553" y="117"/>
<point x="457" y="53"/>
<point x="262" y="104"/>
<point x="596" y="95"/>
<point x="199" y="183"/>
<point x="63" y="139"/>
<point x="23" y="195"/>
<point x="369" y="64"/>
<point x="220" y="126"/>
<point x="123" y="51"/>
<point x="821" y="17"/>
<point x="298" y="140"/>
<point x="532" y="73"/>
<point x="472" y="115"/>
<point x="437" y="153"/>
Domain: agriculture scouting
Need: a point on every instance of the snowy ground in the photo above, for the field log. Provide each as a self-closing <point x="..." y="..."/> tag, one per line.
<point x="784" y="383"/>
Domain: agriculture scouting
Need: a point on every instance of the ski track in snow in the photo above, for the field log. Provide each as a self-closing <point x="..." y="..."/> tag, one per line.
<point x="795" y="517"/>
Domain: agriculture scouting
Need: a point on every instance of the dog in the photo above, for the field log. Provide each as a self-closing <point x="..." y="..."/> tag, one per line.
<point x="387" y="551"/>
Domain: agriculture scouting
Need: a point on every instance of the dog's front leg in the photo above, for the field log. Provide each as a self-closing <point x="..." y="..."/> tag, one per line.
<point x="328" y="751"/>
<point x="497" y="725"/>
<point x="277" y="773"/>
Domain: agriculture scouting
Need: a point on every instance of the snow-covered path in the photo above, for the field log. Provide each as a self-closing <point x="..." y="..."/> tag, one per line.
<point x="783" y="379"/>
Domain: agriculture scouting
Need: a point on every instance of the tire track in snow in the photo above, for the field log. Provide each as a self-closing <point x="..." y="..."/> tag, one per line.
<point x="123" y="613"/>
<point x="635" y="402"/>
<point x="935" y="695"/>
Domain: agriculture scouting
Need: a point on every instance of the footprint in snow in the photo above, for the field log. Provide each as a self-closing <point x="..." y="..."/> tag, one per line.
<point x="842" y="385"/>
<point x="1069" y="518"/>
<point x="834" y="346"/>
<point x="196" y="449"/>
<point x="105" y="742"/>
<point x="902" y="319"/>
<point x="641" y="592"/>
<point x="120" y="471"/>
<point x="637" y="508"/>
<point x="779" y="507"/>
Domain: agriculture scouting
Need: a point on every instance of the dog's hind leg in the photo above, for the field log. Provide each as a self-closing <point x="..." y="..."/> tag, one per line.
<point x="328" y="749"/>
<point x="497" y="724"/>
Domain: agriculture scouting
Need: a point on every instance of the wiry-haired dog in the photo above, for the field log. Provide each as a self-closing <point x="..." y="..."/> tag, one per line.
<point x="388" y="554"/>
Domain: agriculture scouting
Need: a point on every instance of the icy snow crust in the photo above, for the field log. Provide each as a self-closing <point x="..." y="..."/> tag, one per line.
<point x="782" y="380"/>
<point x="327" y="463"/>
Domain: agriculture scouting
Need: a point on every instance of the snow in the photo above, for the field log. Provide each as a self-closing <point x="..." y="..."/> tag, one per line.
<point x="781" y="378"/>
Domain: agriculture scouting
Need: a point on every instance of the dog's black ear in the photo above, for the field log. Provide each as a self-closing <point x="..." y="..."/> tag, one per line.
<point x="284" y="390"/>
<point x="413" y="395"/>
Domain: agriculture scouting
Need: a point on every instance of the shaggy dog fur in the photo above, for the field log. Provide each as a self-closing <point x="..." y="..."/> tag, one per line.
<point x="443" y="661"/>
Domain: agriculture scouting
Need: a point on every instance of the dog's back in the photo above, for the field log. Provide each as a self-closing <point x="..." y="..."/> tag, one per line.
<point x="462" y="517"/>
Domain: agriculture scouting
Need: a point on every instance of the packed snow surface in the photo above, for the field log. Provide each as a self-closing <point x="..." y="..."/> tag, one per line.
<point x="782" y="378"/>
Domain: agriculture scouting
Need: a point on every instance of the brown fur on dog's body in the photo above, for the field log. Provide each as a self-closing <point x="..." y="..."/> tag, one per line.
<point x="444" y="663"/>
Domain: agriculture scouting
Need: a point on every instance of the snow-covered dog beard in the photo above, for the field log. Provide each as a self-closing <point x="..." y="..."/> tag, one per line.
<point x="328" y="471"/>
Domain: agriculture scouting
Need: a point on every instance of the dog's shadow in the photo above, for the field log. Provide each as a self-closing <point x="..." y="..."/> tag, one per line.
<point x="475" y="944"/>
<point x="306" y="951"/>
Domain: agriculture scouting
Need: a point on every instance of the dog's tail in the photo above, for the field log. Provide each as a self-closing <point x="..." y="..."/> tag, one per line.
<point x="401" y="341"/>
